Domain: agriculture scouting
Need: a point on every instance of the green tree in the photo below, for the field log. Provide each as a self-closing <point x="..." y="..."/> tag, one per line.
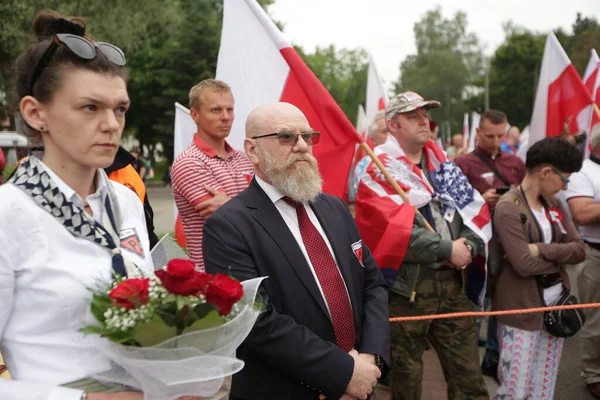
<point x="448" y="61"/>
<point x="514" y="69"/>
<point x="343" y="72"/>
<point x="586" y="36"/>
<point x="515" y="65"/>
<point x="170" y="46"/>
<point x="126" y="23"/>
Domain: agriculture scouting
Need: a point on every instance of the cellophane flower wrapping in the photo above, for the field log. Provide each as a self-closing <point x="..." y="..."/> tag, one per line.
<point x="191" y="364"/>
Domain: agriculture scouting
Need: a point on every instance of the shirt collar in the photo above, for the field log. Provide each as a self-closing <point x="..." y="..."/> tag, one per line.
<point x="206" y="149"/>
<point x="70" y="194"/>
<point x="487" y="153"/>
<point x="274" y="194"/>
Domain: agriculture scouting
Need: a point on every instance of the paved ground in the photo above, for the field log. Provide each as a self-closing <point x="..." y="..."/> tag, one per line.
<point x="569" y="386"/>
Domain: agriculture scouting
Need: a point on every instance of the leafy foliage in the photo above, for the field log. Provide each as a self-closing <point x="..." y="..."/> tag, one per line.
<point x="515" y="66"/>
<point x="448" y="59"/>
<point x="343" y="72"/>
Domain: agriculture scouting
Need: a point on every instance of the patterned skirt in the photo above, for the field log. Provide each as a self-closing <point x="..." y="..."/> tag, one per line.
<point x="528" y="364"/>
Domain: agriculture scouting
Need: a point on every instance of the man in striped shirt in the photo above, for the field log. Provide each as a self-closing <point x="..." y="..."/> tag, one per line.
<point x="208" y="173"/>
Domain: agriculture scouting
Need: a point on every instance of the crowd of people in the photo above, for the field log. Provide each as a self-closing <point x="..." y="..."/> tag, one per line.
<point x="324" y="331"/>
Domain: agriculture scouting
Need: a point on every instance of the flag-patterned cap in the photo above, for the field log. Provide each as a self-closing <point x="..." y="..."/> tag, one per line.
<point x="408" y="101"/>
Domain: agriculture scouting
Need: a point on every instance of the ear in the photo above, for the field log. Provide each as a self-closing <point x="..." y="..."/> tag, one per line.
<point x="544" y="172"/>
<point x="478" y="131"/>
<point x="34" y="113"/>
<point x="250" y="149"/>
<point x="390" y="124"/>
<point x="194" y="115"/>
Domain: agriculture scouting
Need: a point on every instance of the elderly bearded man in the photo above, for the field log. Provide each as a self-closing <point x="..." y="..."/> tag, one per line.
<point x="325" y="329"/>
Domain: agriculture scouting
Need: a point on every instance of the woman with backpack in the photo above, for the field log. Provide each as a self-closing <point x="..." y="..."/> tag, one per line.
<point x="538" y="241"/>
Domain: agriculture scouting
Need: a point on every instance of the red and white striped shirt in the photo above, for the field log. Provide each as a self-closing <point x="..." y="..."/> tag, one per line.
<point x="199" y="165"/>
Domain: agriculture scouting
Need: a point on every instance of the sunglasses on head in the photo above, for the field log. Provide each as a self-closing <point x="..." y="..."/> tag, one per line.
<point x="291" y="138"/>
<point x="79" y="46"/>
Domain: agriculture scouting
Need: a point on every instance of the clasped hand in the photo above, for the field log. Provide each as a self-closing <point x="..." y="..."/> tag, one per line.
<point x="364" y="377"/>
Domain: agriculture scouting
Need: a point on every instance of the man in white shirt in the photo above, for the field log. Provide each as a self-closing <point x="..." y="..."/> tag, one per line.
<point x="583" y="197"/>
<point x="325" y="328"/>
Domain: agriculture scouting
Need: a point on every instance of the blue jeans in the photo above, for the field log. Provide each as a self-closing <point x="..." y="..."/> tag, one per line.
<point x="492" y="350"/>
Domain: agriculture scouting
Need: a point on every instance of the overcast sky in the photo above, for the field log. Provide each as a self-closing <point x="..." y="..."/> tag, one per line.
<point x="385" y="27"/>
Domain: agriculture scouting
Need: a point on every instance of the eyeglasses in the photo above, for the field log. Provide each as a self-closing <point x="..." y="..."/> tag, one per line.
<point x="564" y="180"/>
<point x="79" y="46"/>
<point x="291" y="138"/>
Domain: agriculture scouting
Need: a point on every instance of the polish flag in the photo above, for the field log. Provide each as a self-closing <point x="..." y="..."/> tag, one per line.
<point x="362" y="122"/>
<point x="561" y="93"/>
<point x="591" y="78"/>
<point x="475" y="118"/>
<point x="183" y="134"/>
<point x="362" y="127"/>
<point x="376" y="98"/>
<point x="465" y="131"/>
<point x="262" y="67"/>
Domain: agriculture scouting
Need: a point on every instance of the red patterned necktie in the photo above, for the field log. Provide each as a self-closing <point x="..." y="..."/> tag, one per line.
<point x="329" y="277"/>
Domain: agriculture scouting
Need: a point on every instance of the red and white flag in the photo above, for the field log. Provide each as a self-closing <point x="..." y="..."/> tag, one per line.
<point x="475" y="118"/>
<point x="362" y="122"/>
<point x="591" y="80"/>
<point x="385" y="221"/>
<point x="262" y="67"/>
<point x="376" y="98"/>
<point x="560" y="95"/>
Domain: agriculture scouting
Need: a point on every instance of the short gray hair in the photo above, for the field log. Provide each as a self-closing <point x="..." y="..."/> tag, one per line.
<point x="595" y="137"/>
<point x="373" y="127"/>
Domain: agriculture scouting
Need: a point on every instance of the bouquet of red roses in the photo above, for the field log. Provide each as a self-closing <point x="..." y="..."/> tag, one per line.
<point x="173" y="333"/>
<point x="178" y="299"/>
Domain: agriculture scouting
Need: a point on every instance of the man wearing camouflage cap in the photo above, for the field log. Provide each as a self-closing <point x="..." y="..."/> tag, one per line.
<point x="424" y="269"/>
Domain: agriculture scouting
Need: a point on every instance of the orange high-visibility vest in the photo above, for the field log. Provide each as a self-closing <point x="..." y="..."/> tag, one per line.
<point x="129" y="177"/>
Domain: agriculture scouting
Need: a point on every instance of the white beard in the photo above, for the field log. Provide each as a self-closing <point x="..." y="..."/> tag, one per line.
<point x="298" y="181"/>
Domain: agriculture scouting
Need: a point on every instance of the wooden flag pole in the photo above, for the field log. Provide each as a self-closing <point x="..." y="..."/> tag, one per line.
<point x="596" y="110"/>
<point x="391" y="180"/>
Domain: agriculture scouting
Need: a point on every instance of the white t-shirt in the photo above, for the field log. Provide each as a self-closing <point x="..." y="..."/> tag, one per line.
<point x="551" y="293"/>
<point x="586" y="183"/>
<point x="45" y="278"/>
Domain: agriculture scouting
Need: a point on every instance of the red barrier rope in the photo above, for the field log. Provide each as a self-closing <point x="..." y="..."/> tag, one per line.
<point x="492" y="313"/>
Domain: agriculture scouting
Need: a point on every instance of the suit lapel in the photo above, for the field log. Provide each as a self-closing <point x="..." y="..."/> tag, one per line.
<point x="267" y="215"/>
<point x="338" y="239"/>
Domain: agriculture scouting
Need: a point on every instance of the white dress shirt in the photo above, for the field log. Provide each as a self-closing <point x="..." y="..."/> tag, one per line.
<point x="289" y="215"/>
<point x="46" y="275"/>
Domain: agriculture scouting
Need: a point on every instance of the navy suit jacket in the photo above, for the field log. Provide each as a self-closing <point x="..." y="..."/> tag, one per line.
<point x="291" y="352"/>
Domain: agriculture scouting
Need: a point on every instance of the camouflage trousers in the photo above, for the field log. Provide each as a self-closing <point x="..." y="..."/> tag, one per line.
<point x="454" y="339"/>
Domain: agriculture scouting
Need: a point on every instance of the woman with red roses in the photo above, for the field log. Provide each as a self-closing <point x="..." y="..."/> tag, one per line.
<point x="64" y="227"/>
<point x="538" y="241"/>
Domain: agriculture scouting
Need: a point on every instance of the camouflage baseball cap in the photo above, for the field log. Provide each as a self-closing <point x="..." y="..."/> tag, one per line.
<point x="408" y="101"/>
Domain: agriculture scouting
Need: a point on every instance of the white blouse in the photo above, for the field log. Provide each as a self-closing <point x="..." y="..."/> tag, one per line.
<point x="46" y="275"/>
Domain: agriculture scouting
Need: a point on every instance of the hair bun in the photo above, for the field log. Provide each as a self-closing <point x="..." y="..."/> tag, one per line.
<point x="49" y="23"/>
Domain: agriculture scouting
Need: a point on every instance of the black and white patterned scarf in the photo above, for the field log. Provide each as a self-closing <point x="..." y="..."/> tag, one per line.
<point x="32" y="178"/>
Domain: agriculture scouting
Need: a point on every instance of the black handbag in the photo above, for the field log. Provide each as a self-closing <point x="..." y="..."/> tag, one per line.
<point x="564" y="323"/>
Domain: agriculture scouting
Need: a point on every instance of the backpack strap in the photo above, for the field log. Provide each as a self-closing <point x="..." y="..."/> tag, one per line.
<point x="523" y="210"/>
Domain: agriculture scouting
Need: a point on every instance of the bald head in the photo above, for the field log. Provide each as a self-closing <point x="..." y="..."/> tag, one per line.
<point x="273" y="117"/>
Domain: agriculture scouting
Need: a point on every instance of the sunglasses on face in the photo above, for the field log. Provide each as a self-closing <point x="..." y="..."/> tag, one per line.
<point x="564" y="180"/>
<point x="79" y="46"/>
<point x="291" y="138"/>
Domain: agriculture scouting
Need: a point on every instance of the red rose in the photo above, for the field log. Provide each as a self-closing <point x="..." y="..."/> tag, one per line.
<point x="180" y="267"/>
<point x="131" y="293"/>
<point x="224" y="292"/>
<point x="181" y="277"/>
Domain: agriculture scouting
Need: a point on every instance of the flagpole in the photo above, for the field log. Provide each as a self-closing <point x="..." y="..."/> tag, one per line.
<point x="392" y="181"/>
<point x="596" y="109"/>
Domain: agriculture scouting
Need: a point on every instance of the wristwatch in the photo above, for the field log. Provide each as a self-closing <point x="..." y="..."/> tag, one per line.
<point x="379" y="362"/>
<point x="470" y="248"/>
